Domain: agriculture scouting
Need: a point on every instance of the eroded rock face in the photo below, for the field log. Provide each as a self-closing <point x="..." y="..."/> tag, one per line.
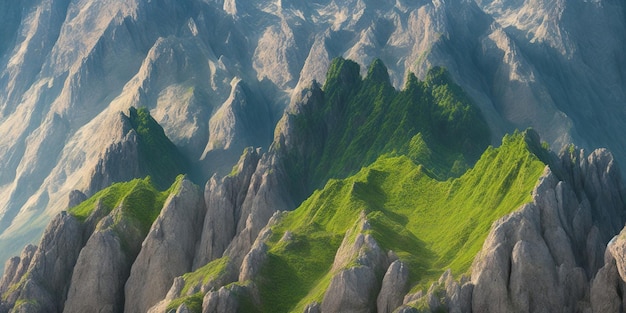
<point x="239" y="122"/>
<point x="394" y="286"/>
<point x="99" y="275"/>
<point x="608" y="286"/>
<point x="223" y="199"/>
<point x="76" y="197"/>
<point x="168" y="249"/>
<point x="351" y="290"/>
<point x="223" y="300"/>
<point x="265" y="195"/>
<point x="41" y="275"/>
<point x="547" y="252"/>
<point x="120" y="161"/>
<point x="14" y="270"/>
<point x="354" y="288"/>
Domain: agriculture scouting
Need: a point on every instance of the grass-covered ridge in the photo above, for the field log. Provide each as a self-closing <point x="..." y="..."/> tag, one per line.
<point x="139" y="201"/>
<point x="159" y="157"/>
<point x="361" y="118"/>
<point x="193" y="282"/>
<point x="431" y="225"/>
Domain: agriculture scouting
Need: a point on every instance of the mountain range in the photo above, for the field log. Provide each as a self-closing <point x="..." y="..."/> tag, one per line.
<point x="336" y="155"/>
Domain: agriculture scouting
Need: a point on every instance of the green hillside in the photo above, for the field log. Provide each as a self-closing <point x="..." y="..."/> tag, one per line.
<point x="432" y="121"/>
<point x="133" y="207"/>
<point x="431" y="225"/>
<point x="159" y="157"/>
<point x="139" y="202"/>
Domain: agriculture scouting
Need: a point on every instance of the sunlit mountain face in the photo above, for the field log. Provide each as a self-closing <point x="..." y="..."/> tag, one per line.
<point x="280" y="153"/>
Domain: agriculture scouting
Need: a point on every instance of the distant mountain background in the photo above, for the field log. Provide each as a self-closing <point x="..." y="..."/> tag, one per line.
<point x="93" y="93"/>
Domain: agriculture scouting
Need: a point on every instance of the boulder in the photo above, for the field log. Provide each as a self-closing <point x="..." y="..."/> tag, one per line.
<point x="394" y="286"/>
<point x="224" y="300"/>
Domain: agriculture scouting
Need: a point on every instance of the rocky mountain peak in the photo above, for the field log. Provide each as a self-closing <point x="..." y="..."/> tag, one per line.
<point x="94" y="95"/>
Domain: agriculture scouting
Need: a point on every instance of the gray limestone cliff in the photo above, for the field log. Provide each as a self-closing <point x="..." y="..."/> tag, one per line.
<point x="224" y="199"/>
<point x="550" y="253"/>
<point x="168" y="249"/>
<point x="99" y="275"/>
<point x="358" y="264"/>
<point x="68" y="67"/>
<point x="120" y="161"/>
<point x="41" y="276"/>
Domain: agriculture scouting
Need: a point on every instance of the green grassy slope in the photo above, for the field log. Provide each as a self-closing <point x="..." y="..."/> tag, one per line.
<point x="363" y="118"/>
<point x="133" y="206"/>
<point x="211" y="271"/>
<point x="139" y="199"/>
<point x="432" y="225"/>
<point x="159" y="156"/>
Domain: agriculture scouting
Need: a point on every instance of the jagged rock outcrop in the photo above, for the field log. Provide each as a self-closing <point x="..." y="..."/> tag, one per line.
<point x="42" y="276"/>
<point x="120" y="161"/>
<point x="168" y="249"/>
<point x="224" y="300"/>
<point x="265" y="195"/>
<point x="358" y="264"/>
<point x="547" y="252"/>
<point x="99" y="275"/>
<point x="224" y="200"/>
<point x="446" y="294"/>
<point x="394" y="286"/>
<point x="16" y="267"/>
<point x="606" y="288"/>
<point x="608" y="285"/>
<point x="76" y="197"/>
<point x="242" y="120"/>
<point x="239" y="122"/>
<point x="104" y="264"/>
<point x="256" y="258"/>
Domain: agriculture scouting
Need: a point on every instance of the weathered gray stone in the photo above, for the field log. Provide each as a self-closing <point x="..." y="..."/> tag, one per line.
<point x="99" y="276"/>
<point x="120" y="162"/>
<point x="313" y="308"/>
<point x="76" y="197"/>
<point x="40" y="278"/>
<point x="223" y="200"/>
<point x="16" y="267"/>
<point x="225" y="300"/>
<point x="167" y="250"/>
<point x="605" y="294"/>
<point x="394" y="287"/>
<point x="239" y="122"/>
<point x="265" y="195"/>
<point x="355" y="288"/>
<point x="534" y="281"/>
<point x="541" y="257"/>
<point x="352" y="290"/>
<point x="254" y="260"/>
<point x="54" y="261"/>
